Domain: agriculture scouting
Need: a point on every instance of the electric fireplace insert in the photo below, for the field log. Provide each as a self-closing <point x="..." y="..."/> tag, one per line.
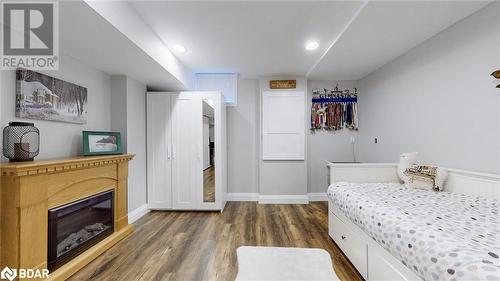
<point x="75" y="227"/>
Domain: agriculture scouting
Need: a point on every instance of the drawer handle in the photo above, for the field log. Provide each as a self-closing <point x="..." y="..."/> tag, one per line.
<point x="343" y="237"/>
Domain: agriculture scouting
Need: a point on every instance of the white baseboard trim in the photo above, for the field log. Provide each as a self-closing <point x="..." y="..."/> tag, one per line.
<point x="243" y="197"/>
<point x="283" y="199"/>
<point x="137" y="213"/>
<point x="320" y="196"/>
<point x="276" y="199"/>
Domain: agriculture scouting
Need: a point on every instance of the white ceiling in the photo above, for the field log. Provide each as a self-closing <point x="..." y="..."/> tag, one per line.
<point x="257" y="38"/>
<point x="253" y="38"/>
<point x="267" y="38"/>
<point x="385" y="30"/>
<point x="88" y="37"/>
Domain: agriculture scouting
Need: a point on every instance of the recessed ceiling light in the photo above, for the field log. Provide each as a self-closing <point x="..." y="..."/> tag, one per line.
<point x="179" y="48"/>
<point x="312" y="45"/>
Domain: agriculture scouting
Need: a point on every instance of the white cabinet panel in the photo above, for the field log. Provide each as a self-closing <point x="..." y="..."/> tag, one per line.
<point x="186" y="154"/>
<point x="282" y="113"/>
<point x="283" y="125"/>
<point x="283" y="146"/>
<point x="159" y="135"/>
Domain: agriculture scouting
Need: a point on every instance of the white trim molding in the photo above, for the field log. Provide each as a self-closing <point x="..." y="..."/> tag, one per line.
<point x="283" y="199"/>
<point x="319" y="196"/>
<point x="363" y="172"/>
<point x="277" y="199"/>
<point x="138" y="213"/>
<point x="248" y="197"/>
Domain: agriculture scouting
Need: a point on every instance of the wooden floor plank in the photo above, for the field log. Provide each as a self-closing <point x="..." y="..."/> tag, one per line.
<point x="202" y="245"/>
<point x="209" y="184"/>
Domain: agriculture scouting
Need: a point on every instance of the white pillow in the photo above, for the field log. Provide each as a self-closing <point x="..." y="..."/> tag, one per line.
<point x="441" y="177"/>
<point x="406" y="160"/>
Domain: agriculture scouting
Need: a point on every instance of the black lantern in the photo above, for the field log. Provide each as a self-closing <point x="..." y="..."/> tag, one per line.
<point x="21" y="141"/>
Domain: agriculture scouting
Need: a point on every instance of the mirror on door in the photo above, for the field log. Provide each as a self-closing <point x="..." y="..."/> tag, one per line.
<point x="208" y="151"/>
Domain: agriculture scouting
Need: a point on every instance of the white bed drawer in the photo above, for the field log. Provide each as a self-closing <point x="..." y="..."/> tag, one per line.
<point x="383" y="266"/>
<point x="352" y="245"/>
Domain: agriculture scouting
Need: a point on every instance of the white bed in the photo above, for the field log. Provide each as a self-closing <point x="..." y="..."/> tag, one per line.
<point x="367" y="251"/>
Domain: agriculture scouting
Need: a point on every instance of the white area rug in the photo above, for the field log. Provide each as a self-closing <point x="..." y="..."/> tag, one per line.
<point x="272" y="263"/>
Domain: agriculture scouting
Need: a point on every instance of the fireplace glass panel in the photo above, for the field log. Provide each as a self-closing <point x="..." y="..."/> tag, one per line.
<point x="75" y="227"/>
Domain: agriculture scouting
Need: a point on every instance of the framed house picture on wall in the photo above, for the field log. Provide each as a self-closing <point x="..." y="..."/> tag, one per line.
<point x="42" y="97"/>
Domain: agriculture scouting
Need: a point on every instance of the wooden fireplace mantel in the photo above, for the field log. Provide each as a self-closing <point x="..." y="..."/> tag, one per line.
<point x="29" y="189"/>
<point x="20" y="169"/>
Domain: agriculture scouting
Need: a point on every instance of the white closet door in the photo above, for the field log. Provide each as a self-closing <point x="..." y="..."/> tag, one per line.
<point x="283" y="125"/>
<point x="159" y="133"/>
<point x="186" y="142"/>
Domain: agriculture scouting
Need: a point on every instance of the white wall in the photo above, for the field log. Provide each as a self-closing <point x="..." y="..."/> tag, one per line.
<point x="438" y="99"/>
<point x="282" y="177"/>
<point x="57" y="139"/>
<point x="243" y="139"/>
<point x="326" y="145"/>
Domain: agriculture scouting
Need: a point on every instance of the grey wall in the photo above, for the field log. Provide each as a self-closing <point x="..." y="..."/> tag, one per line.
<point x="57" y="139"/>
<point x="326" y="145"/>
<point x="243" y="139"/>
<point x="136" y="139"/>
<point x="438" y="99"/>
<point x="243" y="128"/>
<point x="114" y="103"/>
<point x="128" y="112"/>
<point x="119" y="106"/>
<point x="282" y="177"/>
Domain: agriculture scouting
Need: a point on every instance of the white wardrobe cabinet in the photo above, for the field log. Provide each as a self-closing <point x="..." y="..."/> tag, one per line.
<point x="178" y="177"/>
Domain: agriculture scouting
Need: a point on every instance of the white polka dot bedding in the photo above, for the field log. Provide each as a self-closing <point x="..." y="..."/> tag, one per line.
<point x="438" y="235"/>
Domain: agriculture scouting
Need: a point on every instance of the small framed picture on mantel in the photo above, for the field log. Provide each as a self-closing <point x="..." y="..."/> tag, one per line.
<point x="101" y="143"/>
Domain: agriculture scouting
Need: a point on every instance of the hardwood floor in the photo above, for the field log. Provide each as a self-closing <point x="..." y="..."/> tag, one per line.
<point x="202" y="245"/>
<point x="209" y="184"/>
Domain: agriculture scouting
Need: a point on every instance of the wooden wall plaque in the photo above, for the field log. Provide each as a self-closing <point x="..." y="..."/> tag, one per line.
<point x="283" y="84"/>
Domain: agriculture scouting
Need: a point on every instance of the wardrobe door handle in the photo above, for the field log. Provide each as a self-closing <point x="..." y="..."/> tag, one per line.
<point x="173" y="151"/>
<point x="168" y="151"/>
